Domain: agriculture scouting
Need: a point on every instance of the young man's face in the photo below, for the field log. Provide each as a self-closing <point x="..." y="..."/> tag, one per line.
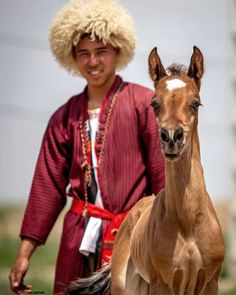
<point x="96" y="61"/>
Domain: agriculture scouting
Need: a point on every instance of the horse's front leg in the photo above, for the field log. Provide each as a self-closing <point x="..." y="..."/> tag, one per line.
<point x="211" y="288"/>
<point x="123" y="273"/>
<point x="134" y="283"/>
<point x="121" y="257"/>
<point x="212" y="285"/>
<point x="125" y="280"/>
<point x="159" y="288"/>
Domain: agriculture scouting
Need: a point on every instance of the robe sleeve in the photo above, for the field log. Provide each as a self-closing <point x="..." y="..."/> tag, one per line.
<point x="152" y="151"/>
<point x="48" y="191"/>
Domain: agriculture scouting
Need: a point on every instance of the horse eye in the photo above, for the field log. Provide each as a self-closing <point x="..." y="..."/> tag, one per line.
<point x="194" y="106"/>
<point x="156" y="106"/>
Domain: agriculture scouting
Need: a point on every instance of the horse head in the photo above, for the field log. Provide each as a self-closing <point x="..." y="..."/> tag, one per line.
<point x="176" y="101"/>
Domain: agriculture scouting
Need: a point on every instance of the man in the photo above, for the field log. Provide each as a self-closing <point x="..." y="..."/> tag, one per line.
<point x="101" y="147"/>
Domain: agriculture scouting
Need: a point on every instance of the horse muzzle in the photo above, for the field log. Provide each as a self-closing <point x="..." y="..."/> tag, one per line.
<point x="172" y="142"/>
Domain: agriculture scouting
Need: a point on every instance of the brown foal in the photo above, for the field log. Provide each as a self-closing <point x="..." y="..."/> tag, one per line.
<point x="172" y="243"/>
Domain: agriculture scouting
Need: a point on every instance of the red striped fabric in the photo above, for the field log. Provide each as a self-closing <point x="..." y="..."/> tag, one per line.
<point x="132" y="166"/>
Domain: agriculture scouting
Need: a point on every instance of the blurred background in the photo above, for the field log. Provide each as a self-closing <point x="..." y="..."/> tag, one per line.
<point x="33" y="86"/>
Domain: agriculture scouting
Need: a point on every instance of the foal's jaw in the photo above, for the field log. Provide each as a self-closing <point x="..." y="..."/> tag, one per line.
<point x="175" y="154"/>
<point x="172" y="153"/>
<point x="172" y="157"/>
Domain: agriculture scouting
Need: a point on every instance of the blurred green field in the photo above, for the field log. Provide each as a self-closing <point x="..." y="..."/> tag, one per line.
<point x="41" y="271"/>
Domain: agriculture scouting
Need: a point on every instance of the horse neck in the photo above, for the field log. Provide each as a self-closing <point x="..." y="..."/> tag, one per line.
<point x="185" y="191"/>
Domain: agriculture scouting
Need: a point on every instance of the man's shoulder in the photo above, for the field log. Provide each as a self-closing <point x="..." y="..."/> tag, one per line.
<point x="138" y="87"/>
<point x="70" y="110"/>
<point x="139" y="94"/>
<point x="139" y="90"/>
<point x="73" y="102"/>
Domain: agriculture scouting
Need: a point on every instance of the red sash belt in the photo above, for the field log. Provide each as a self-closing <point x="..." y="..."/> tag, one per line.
<point x="111" y="223"/>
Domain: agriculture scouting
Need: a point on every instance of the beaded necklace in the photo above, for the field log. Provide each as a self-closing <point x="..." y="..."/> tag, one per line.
<point x="86" y="150"/>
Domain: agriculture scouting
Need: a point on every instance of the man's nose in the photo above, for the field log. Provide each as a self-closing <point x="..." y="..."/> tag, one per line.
<point x="93" y="59"/>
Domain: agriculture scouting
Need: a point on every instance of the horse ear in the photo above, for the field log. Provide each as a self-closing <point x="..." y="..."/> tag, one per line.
<point x="156" y="69"/>
<point x="196" y="67"/>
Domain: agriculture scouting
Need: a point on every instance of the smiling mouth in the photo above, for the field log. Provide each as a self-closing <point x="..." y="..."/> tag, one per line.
<point x="95" y="73"/>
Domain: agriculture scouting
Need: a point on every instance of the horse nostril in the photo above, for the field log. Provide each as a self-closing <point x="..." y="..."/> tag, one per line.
<point x="165" y="135"/>
<point x="179" y="135"/>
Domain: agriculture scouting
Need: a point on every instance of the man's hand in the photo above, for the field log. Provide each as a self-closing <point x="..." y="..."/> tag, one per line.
<point x="17" y="274"/>
<point x="19" y="270"/>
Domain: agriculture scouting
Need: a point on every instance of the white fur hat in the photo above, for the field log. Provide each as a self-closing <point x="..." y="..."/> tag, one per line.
<point x="106" y="19"/>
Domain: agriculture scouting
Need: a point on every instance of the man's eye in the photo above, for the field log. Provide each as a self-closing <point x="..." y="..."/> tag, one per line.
<point x="103" y="51"/>
<point x="82" y="54"/>
<point x="156" y="106"/>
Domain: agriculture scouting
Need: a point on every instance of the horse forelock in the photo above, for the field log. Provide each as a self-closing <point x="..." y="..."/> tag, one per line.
<point x="176" y="68"/>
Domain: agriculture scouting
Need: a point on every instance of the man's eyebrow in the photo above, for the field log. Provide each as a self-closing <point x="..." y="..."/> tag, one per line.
<point x="86" y="50"/>
<point x="102" y="47"/>
<point x="81" y="50"/>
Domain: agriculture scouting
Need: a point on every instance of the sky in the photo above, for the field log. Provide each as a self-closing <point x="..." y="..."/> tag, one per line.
<point x="33" y="86"/>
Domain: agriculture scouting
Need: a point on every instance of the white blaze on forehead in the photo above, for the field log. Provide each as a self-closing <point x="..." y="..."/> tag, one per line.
<point x="175" y="83"/>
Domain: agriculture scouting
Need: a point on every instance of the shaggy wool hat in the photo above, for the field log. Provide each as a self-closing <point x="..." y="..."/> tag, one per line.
<point x="106" y="20"/>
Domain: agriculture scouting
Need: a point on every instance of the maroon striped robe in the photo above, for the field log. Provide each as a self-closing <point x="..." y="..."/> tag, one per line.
<point x="132" y="166"/>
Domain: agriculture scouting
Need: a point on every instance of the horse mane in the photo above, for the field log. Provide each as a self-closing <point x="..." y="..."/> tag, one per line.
<point x="176" y="68"/>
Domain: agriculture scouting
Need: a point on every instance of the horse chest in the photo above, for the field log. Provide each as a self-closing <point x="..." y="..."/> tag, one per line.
<point x="181" y="265"/>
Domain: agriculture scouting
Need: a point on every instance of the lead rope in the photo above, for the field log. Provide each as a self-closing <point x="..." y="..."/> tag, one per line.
<point x="85" y="164"/>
